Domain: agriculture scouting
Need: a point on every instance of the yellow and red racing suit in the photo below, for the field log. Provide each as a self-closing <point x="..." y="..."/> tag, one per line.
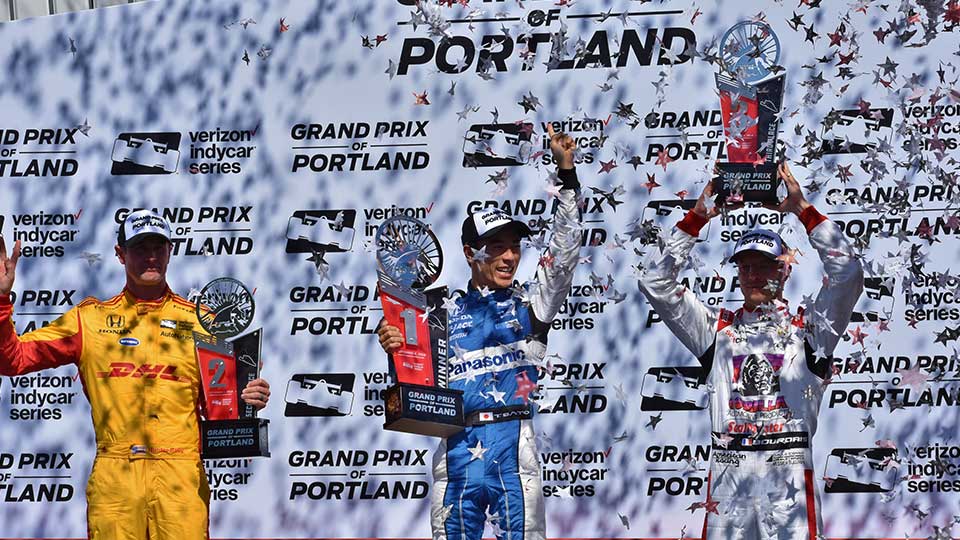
<point x="137" y="365"/>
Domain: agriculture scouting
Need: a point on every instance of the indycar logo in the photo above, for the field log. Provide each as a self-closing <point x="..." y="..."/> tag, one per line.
<point x="861" y="470"/>
<point x="673" y="389"/>
<point x="145" y="153"/>
<point x="877" y="302"/>
<point x="665" y="214"/>
<point x="497" y="145"/>
<point x="310" y="231"/>
<point x="855" y="131"/>
<point x="322" y="394"/>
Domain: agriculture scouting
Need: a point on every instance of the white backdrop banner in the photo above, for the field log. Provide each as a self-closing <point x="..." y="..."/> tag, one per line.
<point x="276" y="135"/>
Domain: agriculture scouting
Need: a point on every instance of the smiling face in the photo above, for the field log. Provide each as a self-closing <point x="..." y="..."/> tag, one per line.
<point x="757" y="273"/>
<point x="146" y="261"/>
<point x="503" y="257"/>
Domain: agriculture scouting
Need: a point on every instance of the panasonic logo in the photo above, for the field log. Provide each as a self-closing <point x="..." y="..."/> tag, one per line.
<point x="487" y="362"/>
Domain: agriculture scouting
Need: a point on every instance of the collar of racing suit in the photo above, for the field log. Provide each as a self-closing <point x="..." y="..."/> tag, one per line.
<point x="495" y="294"/>
<point x="145" y="306"/>
<point x="764" y="313"/>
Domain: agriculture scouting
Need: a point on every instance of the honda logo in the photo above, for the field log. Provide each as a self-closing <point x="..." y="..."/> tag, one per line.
<point x="116" y="321"/>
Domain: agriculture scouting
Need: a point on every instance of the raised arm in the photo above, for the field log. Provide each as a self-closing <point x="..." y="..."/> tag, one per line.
<point x="554" y="275"/>
<point x="54" y="345"/>
<point x="837" y="298"/>
<point x="679" y="308"/>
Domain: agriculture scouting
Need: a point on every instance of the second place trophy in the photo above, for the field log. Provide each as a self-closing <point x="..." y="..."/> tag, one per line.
<point x="228" y="361"/>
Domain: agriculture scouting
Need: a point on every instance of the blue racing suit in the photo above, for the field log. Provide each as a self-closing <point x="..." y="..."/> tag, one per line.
<point x="497" y="341"/>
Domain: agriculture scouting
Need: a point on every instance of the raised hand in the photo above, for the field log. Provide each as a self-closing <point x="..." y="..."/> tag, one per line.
<point x="795" y="201"/>
<point x="706" y="207"/>
<point x="8" y="266"/>
<point x="563" y="146"/>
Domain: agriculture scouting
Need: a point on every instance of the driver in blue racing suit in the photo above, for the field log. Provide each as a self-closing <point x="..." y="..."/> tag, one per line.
<point x="498" y="337"/>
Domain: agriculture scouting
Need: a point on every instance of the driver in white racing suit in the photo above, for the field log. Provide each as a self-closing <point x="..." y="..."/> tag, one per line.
<point x="766" y="366"/>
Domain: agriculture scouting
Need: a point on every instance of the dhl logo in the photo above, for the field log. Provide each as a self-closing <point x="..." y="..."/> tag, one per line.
<point x="147" y="371"/>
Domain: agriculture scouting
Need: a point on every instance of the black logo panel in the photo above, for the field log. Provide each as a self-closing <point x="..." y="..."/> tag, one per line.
<point x="855" y="131"/>
<point x="497" y="145"/>
<point x="146" y="153"/>
<point x="319" y="394"/>
<point x="674" y="389"/>
<point x="877" y="301"/>
<point x="309" y="231"/>
<point x="861" y="470"/>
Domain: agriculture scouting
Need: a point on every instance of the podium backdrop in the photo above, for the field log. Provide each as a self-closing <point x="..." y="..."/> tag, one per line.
<point x="277" y="135"/>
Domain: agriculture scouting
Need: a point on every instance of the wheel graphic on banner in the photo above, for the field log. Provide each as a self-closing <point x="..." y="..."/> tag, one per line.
<point x="749" y="50"/>
<point x="225" y="307"/>
<point x="409" y="252"/>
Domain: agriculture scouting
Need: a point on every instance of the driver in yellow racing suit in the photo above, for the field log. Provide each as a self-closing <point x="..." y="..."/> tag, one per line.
<point x="135" y="356"/>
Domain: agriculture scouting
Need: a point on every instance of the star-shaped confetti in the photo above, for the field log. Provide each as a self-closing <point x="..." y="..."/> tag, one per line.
<point x="477" y="451"/>
<point x="529" y="103"/>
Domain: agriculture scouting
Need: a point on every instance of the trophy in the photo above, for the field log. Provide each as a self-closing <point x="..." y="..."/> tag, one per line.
<point x="751" y="95"/>
<point x="229" y="427"/>
<point x="409" y="259"/>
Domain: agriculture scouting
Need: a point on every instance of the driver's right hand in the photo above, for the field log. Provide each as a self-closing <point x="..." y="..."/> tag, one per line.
<point x="390" y="337"/>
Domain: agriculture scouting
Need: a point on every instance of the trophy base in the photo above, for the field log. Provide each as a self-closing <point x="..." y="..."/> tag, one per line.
<point x="246" y="437"/>
<point x="747" y="182"/>
<point x="424" y="410"/>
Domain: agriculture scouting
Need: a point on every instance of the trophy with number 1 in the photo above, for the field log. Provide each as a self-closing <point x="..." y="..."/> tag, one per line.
<point x="409" y="259"/>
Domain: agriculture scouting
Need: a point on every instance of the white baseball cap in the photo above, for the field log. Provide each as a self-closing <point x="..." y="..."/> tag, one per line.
<point x="141" y="224"/>
<point x="488" y="222"/>
<point x="762" y="241"/>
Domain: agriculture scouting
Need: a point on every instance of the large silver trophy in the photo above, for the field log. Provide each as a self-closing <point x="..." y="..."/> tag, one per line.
<point x="229" y="428"/>
<point x="409" y="259"/>
<point x="751" y="96"/>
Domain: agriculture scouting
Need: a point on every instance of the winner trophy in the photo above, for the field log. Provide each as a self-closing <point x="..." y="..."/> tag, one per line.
<point x="229" y="428"/>
<point x="409" y="259"/>
<point x="751" y="96"/>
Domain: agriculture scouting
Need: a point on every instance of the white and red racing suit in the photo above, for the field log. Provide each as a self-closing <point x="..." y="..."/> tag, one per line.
<point x="765" y="369"/>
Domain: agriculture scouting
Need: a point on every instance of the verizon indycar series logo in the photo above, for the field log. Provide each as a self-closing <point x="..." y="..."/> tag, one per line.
<point x="854" y="131"/>
<point x="323" y="394"/>
<point x="665" y="214"/>
<point x="861" y="470"/>
<point x="145" y="153"/>
<point x="497" y="145"/>
<point x="673" y="389"/>
<point x="44" y="234"/>
<point x="325" y="231"/>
